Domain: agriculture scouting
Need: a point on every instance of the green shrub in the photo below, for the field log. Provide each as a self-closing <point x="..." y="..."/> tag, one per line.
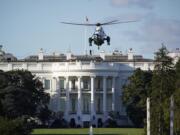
<point x="14" y="127"/>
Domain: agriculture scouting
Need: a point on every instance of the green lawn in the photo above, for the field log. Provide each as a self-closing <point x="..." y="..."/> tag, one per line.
<point x="84" y="131"/>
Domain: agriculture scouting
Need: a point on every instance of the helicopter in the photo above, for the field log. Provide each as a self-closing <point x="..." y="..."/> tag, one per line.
<point x="99" y="36"/>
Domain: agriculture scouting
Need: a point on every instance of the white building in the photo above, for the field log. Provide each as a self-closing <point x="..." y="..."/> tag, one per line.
<point x="84" y="88"/>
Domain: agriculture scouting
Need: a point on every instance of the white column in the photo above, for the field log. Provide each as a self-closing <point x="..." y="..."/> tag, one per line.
<point x="58" y="84"/>
<point x="54" y="81"/>
<point x="148" y="115"/>
<point x="92" y="96"/>
<point x="24" y="66"/>
<point x="10" y="66"/>
<point x="52" y="84"/>
<point x="171" y="115"/>
<point x="67" y="97"/>
<point x="113" y="94"/>
<point x="58" y="93"/>
<point x="55" y="95"/>
<point x="104" y="97"/>
<point x="79" y="111"/>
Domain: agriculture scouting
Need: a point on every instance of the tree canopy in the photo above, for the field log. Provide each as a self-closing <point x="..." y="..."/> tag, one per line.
<point x="134" y="95"/>
<point x="21" y="94"/>
<point x="159" y="84"/>
<point x="177" y="98"/>
<point x="163" y="83"/>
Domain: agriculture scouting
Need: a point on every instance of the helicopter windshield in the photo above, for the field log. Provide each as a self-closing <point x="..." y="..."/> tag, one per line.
<point x="99" y="28"/>
<point x="99" y="31"/>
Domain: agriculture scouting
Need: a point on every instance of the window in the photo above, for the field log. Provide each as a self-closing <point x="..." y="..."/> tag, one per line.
<point x="47" y="84"/>
<point x="98" y="105"/>
<point x="73" y="105"/>
<point x="62" y="104"/>
<point x="109" y="83"/>
<point x="86" y="102"/>
<point x="73" y="83"/>
<point x="109" y="103"/>
<point x="86" y="84"/>
<point x="61" y="83"/>
<point x="98" y="84"/>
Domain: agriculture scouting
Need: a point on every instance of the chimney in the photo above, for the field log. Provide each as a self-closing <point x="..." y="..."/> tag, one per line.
<point x="68" y="55"/>
<point x="41" y="54"/>
<point x="130" y="54"/>
<point x="102" y="55"/>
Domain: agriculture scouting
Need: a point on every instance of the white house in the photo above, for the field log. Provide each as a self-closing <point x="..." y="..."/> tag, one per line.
<point x="84" y="88"/>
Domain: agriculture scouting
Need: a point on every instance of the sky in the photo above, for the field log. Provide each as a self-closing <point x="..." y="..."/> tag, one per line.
<point x="28" y="25"/>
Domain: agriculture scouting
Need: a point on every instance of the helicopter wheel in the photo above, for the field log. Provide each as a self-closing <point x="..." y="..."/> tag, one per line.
<point x="90" y="41"/>
<point x="108" y="40"/>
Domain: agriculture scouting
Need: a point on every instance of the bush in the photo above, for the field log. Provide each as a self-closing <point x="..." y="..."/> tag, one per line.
<point x="59" y="123"/>
<point x="13" y="127"/>
<point x="110" y="123"/>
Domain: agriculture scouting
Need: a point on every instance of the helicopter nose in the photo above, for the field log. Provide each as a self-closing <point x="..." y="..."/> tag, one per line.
<point x="98" y="28"/>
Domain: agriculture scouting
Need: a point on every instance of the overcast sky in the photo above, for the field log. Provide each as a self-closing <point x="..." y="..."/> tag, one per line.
<point x="28" y="25"/>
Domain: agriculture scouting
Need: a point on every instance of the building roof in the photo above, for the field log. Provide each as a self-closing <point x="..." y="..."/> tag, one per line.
<point x="124" y="58"/>
<point x="108" y="58"/>
<point x="116" y="56"/>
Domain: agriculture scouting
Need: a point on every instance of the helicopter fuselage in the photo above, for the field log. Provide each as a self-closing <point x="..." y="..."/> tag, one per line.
<point x="99" y="36"/>
<point x="98" y="40"/>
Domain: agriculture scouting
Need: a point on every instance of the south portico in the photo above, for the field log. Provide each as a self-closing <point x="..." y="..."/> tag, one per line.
<point x="85" y="95"/>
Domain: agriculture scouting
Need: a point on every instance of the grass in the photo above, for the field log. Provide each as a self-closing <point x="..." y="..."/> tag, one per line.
<point x="85" y="131"/>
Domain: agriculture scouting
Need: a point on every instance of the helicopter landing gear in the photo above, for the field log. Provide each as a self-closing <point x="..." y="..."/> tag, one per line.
<point x="90" y="41"/>
<point x="108" y="40"/>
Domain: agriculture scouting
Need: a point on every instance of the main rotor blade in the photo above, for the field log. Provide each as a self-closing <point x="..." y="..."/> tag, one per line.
<point x="109" y="22"/>
<point x="119" y="22"/>
<point x="84" y="24"/>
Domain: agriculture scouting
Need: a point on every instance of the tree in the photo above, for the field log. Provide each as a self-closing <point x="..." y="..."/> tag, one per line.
<point x="177" y="99"/>
<point x="160" y="85"/>
<point x="44" y="114"/>
<point x="112" y="119"/>
<point x="21" y="94"/>
<point x="134" y="96"/>
<point x="14" y="127"/>
<point x="3" y="84"/>
<point x="162" y="88"/>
